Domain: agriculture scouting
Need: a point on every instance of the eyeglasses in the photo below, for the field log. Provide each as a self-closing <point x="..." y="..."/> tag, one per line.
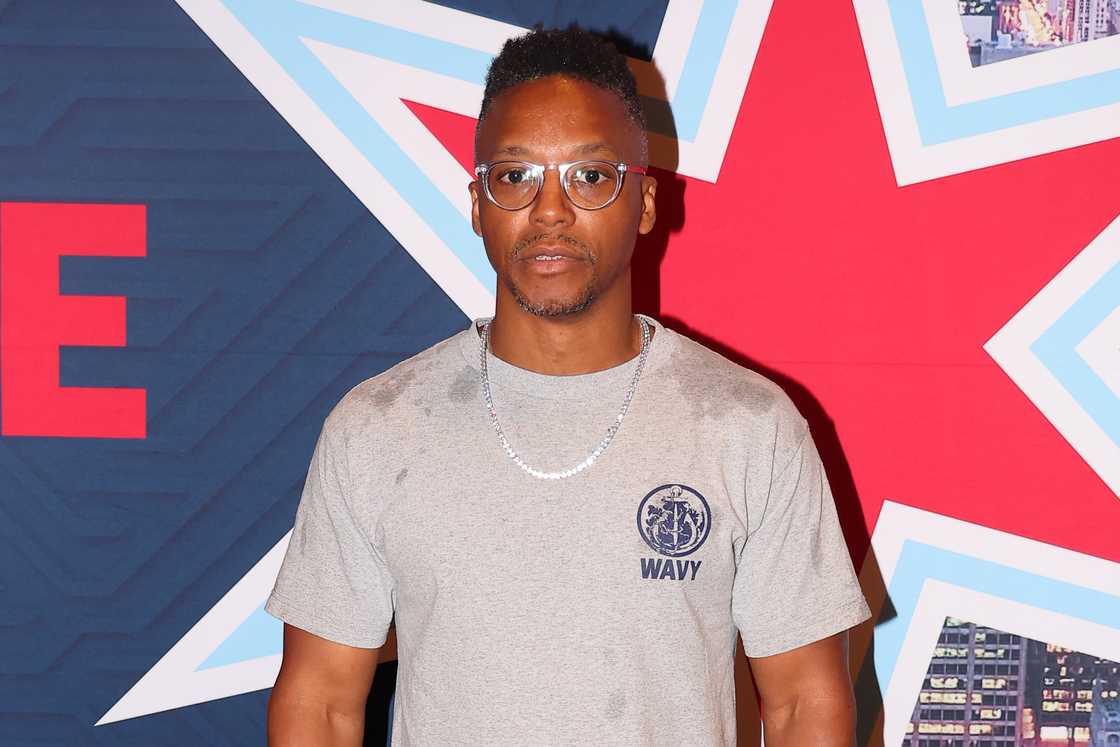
<point x="590" y="185"/>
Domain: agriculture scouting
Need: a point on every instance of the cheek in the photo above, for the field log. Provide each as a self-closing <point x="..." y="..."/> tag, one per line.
<point x="614" y="236"/>
<point x="499" y="227"/>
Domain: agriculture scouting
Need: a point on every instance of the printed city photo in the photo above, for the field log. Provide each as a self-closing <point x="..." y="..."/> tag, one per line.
<point x="991" y="687"/>
<point x="999" y="30"/>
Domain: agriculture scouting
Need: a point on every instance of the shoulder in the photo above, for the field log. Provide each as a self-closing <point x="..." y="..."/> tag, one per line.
<point x="734" y="390"/>
<point x="393" y="393"/>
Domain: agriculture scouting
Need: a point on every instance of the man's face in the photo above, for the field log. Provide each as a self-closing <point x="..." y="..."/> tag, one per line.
<point x="559" y="120"/>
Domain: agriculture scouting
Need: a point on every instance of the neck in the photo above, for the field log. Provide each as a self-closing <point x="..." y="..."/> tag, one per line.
<point x="600" y="337"/>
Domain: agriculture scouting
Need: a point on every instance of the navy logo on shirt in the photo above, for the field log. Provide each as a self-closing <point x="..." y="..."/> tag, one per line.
<point x="674" y="520"/>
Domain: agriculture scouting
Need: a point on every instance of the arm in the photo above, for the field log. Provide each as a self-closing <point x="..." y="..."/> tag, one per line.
<point x="334" y="594"/>
<point x="807" y="695"/>
<point x="320" y="694"/>
<point x="795" y="596"/>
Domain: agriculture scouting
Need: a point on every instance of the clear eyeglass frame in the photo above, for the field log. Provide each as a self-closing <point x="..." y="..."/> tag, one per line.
<point x="536" y="173"/>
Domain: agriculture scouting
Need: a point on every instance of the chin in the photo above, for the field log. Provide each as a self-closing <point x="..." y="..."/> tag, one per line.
<point x="555" y="297"/>
<point x="553" y="305"/>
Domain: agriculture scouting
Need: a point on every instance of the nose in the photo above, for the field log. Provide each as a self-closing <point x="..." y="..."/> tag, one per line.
<point x="552" y="207"/>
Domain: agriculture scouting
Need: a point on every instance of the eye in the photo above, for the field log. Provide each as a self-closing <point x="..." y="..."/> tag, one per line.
<point x="512" y="176"/>
<point x="590" y="175"/>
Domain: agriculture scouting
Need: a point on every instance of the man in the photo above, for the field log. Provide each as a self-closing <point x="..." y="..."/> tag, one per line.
<point x="570" y="512"/>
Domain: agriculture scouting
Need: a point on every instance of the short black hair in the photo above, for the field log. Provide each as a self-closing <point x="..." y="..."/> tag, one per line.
<point x="572" y="52"/>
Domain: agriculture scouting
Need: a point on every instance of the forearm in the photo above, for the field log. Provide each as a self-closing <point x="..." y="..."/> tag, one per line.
<point x="811" y="723"/>
<point x="294" y="722"/>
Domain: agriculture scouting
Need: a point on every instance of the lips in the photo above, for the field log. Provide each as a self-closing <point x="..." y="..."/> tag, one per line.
<point x="545" y="252"/>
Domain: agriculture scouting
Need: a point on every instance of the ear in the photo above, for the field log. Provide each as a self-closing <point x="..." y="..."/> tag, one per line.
<point x="649" y="206"/>
<point x="476" y="224"/>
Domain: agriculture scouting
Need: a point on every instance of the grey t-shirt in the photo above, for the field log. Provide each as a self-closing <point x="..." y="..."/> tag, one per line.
<point x="598" y="609"/>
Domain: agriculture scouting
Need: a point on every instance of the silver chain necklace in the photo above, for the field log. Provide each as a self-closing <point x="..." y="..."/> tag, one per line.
<point x="483" y="346"/>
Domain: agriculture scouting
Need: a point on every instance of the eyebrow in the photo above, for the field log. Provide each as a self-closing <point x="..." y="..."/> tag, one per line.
<point x="511" y="150"/>
<point x="581" y="150"/>
<point x="589" y="148"/>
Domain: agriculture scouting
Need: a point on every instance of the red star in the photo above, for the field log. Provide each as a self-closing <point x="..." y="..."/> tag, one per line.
<point x="869" y="302"/>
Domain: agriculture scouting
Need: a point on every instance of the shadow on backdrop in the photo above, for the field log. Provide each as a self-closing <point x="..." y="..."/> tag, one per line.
<point x="646" y="276"/>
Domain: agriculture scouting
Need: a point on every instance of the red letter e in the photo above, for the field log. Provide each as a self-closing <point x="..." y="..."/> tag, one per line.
<point x="35" y="319"/>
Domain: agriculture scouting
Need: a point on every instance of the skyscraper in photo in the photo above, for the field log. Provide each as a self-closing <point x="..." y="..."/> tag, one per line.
<point x="1068" y="20"/>
<point x="1091" y="20"/>
<point x="1104" y="724"/>
<point x="973" y="691"/>
<point x="1065" y="689"/>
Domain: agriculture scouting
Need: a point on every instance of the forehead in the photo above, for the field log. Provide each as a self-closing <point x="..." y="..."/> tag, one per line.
<point x="549" y="118"/>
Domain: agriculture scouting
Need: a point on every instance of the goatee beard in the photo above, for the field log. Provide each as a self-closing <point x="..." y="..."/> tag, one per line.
<point x="553" y="308"/>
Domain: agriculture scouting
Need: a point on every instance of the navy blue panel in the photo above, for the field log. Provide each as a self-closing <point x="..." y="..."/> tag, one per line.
<point x="637" y="24"/>
<point x="267" y="292"/>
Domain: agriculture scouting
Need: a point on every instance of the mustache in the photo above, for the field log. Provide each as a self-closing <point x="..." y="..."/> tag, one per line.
<point x="530" y="241"/>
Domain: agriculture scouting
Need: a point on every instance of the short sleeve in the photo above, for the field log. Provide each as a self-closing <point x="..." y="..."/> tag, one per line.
<point x="333" y="581"/>
<point x="795" y="583"/>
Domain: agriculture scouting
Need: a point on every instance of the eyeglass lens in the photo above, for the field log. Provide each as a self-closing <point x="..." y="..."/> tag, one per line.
<point x="589" y="184"/>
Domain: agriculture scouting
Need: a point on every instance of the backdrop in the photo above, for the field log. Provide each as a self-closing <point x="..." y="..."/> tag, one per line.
<point x="216" y="216"/>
